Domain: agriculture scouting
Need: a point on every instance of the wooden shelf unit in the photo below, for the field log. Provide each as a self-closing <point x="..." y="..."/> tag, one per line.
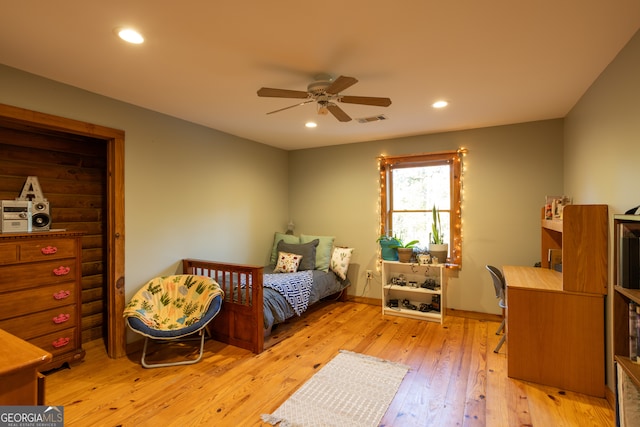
<point x="417" y="295"/>
<point x="621" y="299"/>
<point x="566" y="347"/>
<point x="583" y="237"/>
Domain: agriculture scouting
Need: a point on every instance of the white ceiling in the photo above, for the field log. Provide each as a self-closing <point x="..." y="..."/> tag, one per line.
<point x="496" y="61"/>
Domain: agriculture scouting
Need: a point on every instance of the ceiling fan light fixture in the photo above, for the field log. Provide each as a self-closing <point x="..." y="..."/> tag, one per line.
<point x="326" y="95"/>
<point x="129" y="35"/>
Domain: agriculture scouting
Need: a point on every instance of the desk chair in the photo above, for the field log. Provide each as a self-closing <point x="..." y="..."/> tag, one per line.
<point x="499" y="285"/>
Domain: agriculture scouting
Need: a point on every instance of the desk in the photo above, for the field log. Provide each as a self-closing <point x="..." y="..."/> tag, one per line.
<point x="19" y="362"/>
<point x="554" y="337"/>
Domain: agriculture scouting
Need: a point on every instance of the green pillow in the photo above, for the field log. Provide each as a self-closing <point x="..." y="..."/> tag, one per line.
<point x="323" y="251"/>
<point x="288" y="238"/>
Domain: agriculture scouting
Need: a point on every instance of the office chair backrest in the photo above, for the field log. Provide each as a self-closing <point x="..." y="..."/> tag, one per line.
<point x="498" y="281"/>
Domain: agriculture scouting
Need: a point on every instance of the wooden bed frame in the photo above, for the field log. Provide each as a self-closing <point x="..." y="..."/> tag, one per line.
<point x="240" y="321"/>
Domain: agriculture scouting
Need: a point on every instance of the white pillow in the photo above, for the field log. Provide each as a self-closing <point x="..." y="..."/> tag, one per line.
<point x="287" y="262"/>
<point x="340" y="261"/>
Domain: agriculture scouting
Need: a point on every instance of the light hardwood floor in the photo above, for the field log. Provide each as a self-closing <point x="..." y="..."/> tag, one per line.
<point x="455" y="378"/>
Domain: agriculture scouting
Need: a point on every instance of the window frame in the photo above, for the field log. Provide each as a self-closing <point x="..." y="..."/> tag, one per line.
<point x="453" y="158"/>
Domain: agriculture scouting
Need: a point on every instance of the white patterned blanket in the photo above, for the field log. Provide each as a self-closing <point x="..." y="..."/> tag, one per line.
<point x="294" y="287"/>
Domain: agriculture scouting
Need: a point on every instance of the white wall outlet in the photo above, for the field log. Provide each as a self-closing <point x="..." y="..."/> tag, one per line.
<point x="369" y="274"/>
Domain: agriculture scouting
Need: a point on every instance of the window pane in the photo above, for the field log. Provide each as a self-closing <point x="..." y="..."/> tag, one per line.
<point x="411" y="226"/>
<point x="417" y="226"/>
<point x="418" y="188"/>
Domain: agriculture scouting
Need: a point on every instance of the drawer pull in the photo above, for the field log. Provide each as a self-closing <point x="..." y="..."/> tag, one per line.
<point x="61" y="271"/>
<point x="61" y="318"/>
<point x="61" y="294"/>
<point x="60" y="342"/>
<point x="49" y="250"/>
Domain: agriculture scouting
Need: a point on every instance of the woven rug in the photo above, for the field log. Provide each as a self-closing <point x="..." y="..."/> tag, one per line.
<point x="351" y="390"/>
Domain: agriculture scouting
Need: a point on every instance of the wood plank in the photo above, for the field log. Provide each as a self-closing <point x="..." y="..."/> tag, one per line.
<point x="533" y="278"/>
<point x="452" y="367"/>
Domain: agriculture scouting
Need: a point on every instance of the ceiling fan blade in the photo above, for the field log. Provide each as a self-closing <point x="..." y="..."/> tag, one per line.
<point x="338" y="113"/>
<point x="366" y="100"/>
<point x="282" y="93"/>
<point x="291" y="106"/>
<point x="340" y="84"/>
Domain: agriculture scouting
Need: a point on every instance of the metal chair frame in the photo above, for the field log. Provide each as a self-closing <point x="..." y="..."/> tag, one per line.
<point x="499" y="285"/>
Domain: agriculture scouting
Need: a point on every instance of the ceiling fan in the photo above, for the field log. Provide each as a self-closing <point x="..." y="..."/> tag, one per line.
<point x="325" y="92"/>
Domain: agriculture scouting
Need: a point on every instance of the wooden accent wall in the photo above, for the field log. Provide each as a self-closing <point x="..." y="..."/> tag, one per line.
<point x="72" y="174"/>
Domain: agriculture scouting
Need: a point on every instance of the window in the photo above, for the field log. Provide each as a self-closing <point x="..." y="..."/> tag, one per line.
<point x="409" y="188"/>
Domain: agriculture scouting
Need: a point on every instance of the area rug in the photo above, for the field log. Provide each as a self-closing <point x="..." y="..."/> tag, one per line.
<point x="351" y="390"/>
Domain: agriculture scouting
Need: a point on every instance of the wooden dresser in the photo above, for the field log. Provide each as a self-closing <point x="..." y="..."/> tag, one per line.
<point x="41" y="292"/>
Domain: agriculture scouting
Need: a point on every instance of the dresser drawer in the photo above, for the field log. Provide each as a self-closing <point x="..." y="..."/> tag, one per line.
<point x="22" y="276"/>
<point x="44" y="322"/>
<point x="57" y="342"/>
<point x="47" y="249"/>
<point x="8" y="253"/>
<point x="27" y="301"/>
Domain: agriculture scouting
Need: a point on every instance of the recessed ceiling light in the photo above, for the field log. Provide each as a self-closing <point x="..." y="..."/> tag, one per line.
<point x="311" y="124"/>
<point x="439" y="104"/>
<point x="129" y="35"/>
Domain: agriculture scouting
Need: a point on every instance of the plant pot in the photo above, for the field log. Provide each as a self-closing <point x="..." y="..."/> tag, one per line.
<point x="387" y="252"/>
<point x="405" y="254"/>
<point x="440" y="251"/>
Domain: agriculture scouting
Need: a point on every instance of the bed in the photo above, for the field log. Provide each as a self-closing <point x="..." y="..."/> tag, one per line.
<point x="256" y="297"/>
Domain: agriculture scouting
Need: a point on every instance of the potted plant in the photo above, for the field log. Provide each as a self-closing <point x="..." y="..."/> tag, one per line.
<point x="388" y="247"/>
<point x="437" y="246"/>
<point x="405" y="250"/>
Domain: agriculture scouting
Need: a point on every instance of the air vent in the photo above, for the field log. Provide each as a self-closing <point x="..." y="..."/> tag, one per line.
<point x="372" y="119"/>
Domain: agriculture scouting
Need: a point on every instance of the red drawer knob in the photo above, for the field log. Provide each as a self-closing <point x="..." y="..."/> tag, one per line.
<point x="61" y="271"/>
<point x="61" y="318"/>
<point x="49" y="250"/>
<point x="61" y="342"/>
<point x="61" y="294"/>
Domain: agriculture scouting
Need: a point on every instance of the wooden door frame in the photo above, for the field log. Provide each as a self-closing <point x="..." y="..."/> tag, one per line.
<point x="114" y="138"/>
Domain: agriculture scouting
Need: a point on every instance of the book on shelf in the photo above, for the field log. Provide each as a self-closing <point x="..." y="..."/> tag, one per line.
<point x="555" y="259"/>
<point x="637" y="333"/>
<point x="628" y="399"/>
<point x="633" y="332"/>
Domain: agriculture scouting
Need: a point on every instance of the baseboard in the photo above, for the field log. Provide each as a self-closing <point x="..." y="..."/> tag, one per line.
<point x="488" y="317"/>
<point x="365" y="300"/>
<point x="610" y="396"/>
<point x="135" y="346"/>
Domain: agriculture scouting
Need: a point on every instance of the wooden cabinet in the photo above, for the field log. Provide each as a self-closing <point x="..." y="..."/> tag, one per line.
<point x="582" y="237"/>
<point x="40" y="292"/>
<point x="413" y="290"/>
<point x="554" y="337"/>
<point x="555" y="320"/>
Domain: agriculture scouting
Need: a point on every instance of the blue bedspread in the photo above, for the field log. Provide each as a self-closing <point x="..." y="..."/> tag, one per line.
<point x="294" y="287"/>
